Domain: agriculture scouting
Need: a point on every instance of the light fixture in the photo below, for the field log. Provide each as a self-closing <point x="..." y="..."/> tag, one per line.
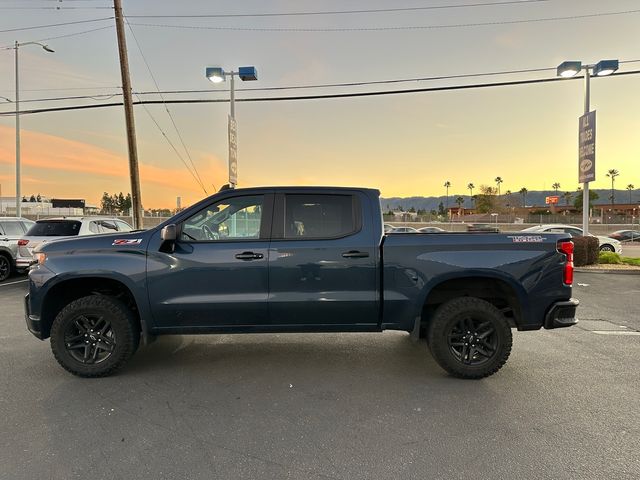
<point x="215" y="74"/>
<point x="605" y="67"/>
<point x="569" y="69"/>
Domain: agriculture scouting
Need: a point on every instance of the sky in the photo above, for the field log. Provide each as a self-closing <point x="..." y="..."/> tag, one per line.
<point x="405" y="145"/>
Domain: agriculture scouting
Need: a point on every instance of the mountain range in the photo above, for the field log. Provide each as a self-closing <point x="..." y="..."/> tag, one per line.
<point x="534" y="199"/>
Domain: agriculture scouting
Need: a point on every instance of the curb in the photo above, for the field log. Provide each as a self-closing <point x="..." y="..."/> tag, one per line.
<point x="619" y="272"/>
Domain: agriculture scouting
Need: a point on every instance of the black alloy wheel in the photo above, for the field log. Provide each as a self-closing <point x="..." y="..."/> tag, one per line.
<point x="469" y="337"/>
<point x="94" y="336"/>
<point x="5" y="268"/>
<point x="472" y="341"/>
<point x="90" y="339"/>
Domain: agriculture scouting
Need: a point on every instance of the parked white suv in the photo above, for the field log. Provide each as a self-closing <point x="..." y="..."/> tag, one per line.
<point x="11" y="230"/>
<point x="52" y="229"/>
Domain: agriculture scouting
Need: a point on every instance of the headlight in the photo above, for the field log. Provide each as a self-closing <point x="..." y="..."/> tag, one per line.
<point x="39" y="258"/>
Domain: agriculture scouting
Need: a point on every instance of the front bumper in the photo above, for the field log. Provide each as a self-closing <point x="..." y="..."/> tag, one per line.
<point x="34" y="324"/>
<point x="562" y="314"/>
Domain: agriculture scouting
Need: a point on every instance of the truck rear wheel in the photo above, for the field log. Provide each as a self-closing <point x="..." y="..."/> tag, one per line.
<point x="94" y="336"/>
<point x="469" y="338"/>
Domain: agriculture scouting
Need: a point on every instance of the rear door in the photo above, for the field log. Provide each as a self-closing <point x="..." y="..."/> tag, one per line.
<point x="217" y="274"/>
<point x="322" y="262"/>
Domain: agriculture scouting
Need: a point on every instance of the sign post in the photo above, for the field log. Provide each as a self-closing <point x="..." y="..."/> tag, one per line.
<point x="233" y="153"/>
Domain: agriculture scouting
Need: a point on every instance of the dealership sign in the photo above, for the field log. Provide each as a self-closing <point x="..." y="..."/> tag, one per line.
<point x="587" y="148"/>
<point x="551" y="200"/>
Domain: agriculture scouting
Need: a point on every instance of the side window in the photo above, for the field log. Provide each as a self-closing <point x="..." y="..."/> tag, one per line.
<point x="236" y="218"/>
<point x="2" y="229"/>
<point x="123" y="226"/>
<point x="318" y="216"/>
<point x="13" y="229"/>
<point x="94" y="228"/>
<point x="108" y="226"/>
<point x="573" y="231"/>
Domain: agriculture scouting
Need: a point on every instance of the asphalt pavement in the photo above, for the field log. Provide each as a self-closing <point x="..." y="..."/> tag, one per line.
<point x="331" y="406"/>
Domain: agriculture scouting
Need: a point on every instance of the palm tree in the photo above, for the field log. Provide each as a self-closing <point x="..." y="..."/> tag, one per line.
<point x="460" y="202"/>
<point x="498" y="182"/>
<point x="630" y="187"/>
<point x="613" y="173"/>
<point x="567" y="198"/>
<point x="523" y="192"/>
<point x="556" y="187"/>
<point x="447" y="184"/>
<point x="470" y="187"/>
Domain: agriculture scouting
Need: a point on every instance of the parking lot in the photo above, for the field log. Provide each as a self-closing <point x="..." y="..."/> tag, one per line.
<point x="339" y="406"/>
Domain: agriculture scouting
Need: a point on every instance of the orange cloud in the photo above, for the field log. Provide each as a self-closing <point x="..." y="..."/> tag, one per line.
<point x="94" y="169"/>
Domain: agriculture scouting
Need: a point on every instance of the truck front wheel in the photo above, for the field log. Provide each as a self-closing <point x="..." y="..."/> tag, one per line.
<point x="469" y="337"/>
<point x="94" y="336"/>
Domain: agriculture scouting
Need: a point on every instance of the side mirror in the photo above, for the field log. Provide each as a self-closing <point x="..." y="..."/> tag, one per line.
<point x="168" y="233"/>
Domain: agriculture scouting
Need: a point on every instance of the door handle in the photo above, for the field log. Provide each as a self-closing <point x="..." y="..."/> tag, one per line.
<point x="355" y="254"/>
<point x="249" y="256"/>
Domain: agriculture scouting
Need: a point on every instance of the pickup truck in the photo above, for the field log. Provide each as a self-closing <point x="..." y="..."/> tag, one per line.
<point x="296" y="259"/>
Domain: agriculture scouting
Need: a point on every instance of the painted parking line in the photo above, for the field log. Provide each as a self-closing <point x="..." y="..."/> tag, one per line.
<point x="615" y="332"/>
<point x="12" y="283"/>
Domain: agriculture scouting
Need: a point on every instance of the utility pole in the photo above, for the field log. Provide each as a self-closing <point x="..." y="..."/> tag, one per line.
<point x="136" y="201"/>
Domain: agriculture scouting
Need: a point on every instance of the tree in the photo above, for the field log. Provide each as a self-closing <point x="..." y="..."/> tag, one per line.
<point x="556" y="187"/>
<point x="523" y="191"/>
<point x="441" y="211"/>
<point x="630" y="187"/>
<point x="38" y="198"/>
<point x="567" y="198"/>
<point x="613" y="173"/>
<point x="460" y="201"/>
<point x="498" y="182"/>
<point x="106" y="203"/>
<point x="32" y="198"/>
<point x="470" y="187"/>
<point x="412" y="210"/>
<point x="447" y="184"/>
<point x="577" y="202"/>
<point x="486" y="199"/>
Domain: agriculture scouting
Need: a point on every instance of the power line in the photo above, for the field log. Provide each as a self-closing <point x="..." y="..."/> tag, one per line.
<point x="34" y="27"/>
<point x="107" y="96"/>
<point x="11" y="47"/>
<point x="319" y="97"/>
<point x="175" y="127"/>
<point x="392" y="28"/>
<point x="343" y="12"/>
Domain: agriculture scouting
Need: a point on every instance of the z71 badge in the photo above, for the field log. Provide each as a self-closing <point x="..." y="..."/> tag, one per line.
<point x="127" y="241"/>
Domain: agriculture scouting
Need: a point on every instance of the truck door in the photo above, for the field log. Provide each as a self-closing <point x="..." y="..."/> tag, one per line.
<point x="322" y="263"/>
<point x="217" y="275"/>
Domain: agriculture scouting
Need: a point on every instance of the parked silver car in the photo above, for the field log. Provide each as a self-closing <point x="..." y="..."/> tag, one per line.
<point x="11" y="230"/>
<point x="52" y="229"/>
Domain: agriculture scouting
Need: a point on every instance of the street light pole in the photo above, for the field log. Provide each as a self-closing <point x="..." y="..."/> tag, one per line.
<point x="217" y="75"/>
<point x="18" y="190"/>
<point x="585" y="185"/>
<point x="569" y="69"/>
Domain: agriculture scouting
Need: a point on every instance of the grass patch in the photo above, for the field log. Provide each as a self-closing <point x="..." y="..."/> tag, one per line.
<point x="610" y="258"/>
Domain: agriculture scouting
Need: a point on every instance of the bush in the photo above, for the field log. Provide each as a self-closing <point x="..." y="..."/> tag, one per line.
<point x="585" y="251"/>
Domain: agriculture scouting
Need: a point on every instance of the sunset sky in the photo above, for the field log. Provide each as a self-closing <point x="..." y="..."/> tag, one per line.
<point x="405" y="145"/>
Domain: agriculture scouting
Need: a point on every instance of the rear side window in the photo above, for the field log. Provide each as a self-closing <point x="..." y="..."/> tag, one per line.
<point x="123" y="226"/>
<point x="318" y="216"/>
<point x="12" y="228"/>
<point x="57" y="228"/>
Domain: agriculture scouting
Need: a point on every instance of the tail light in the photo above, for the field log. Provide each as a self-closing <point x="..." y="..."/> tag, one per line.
<point x="23" y="243"/>
<point x="566" y="247"/>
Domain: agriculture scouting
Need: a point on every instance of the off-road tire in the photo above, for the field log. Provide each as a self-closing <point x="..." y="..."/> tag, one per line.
<point x="123" y="325"/>
<point x="444" y="329"/>
<point x="6" y="267"/>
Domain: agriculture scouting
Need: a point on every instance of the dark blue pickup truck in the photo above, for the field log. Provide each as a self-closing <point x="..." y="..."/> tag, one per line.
<point x="292" y="259"/>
